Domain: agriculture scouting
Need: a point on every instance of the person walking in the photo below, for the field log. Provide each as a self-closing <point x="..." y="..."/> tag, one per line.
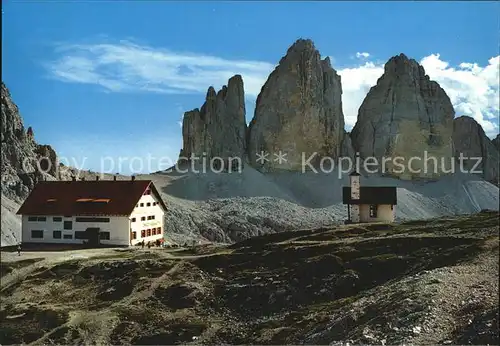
<point x="142" y="244"/>
<point x="19" y="249"/>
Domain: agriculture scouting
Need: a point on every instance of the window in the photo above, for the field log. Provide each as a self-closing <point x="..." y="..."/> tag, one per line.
<point x="56" y="234"/>
<point x="133" y="219"/>
<point x="152" y="217"/>
<point x="37" y="218"/>
<point x="148" y="204"/>
<point x="373" y="210"/>
<point x="149" y="217"/>
<point x="143" y="218"/>
<point x="104" y="235"/>
<point x="143" y="233"/>
<point x="153" y="231"/>
<point x="134" y="235"/>
<point x="57" y="219"/>
<point x="149" y="233"/>
<point x="137" y="205"/>
<point x="37" y="234"/>
<point x="92" y="219"/>
<point x="142" y="204"/>
<point x="68" y="236"/>
<point x="147" y="192"/>
<point x="68" y="224"/>
<point x="159" y="230"/>
<point x="80" y="235"/>
<point x="154" y="203"/>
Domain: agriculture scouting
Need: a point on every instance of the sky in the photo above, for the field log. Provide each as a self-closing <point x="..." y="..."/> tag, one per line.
<point x="106" y="83"/>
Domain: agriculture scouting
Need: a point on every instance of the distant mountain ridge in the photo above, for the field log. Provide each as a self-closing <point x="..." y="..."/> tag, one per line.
<point x="299" y="110"/>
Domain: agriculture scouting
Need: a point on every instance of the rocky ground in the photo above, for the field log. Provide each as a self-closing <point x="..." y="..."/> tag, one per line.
<point x="419" y="282"/>
<point x="230" y="207"/>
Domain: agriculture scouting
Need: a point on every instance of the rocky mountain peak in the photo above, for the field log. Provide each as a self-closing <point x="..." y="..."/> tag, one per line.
<point x="326" y="63"/>
<point x="405" y="114"/>
<point x="401" y="66"/>
<point x="302" y="44"/>
<point x="299" y="110"/>
<point x="302" y="49"/>
<point x="218" y="128"/>
<point x="235" y="84"/>
<point x="20" y="153"/>
<point x="470" y="140"/>
<point x="211" y="93"/>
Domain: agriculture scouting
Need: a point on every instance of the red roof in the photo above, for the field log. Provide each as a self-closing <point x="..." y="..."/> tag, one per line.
<point x="98" y="197"/>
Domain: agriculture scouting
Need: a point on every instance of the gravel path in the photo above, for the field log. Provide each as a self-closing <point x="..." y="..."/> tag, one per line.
<point x="457" y="292"/>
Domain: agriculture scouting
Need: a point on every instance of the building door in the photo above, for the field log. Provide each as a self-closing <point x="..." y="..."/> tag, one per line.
<point x="92" y="234"/>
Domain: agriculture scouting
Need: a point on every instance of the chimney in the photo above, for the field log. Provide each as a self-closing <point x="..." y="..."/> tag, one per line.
<point x="355" y="185"/>
<point x="355" y="195"/>
<point x="96" y="178"/>
<point x="133" y="177"/>
<point x="114" y="177"/>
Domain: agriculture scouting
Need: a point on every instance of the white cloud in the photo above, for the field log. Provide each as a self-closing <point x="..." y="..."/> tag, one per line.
<point x="125" y="66"/>
<point x="180" y="109"/>
<point x="472" y="89"/>
<point x="130" y="67"/>
<point x="356" y="82"/>
<point x="363" y="55"/>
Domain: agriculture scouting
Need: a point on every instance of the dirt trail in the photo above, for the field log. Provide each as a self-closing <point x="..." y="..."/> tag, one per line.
<point x="45" y="259"/>
<point x="50" y="258"/>
<point x="457" y="293"/>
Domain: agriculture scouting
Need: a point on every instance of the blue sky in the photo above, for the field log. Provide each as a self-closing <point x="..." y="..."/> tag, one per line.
<point x="97" y="79"/>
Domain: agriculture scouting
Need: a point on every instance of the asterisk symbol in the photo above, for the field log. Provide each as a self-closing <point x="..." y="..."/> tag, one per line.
<point x="280" y="157"/>
<point x="262" y="157"/>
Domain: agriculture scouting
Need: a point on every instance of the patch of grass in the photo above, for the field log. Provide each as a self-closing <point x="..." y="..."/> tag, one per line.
<point x="92" y="327"/>
<point x="8" y="267"/>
